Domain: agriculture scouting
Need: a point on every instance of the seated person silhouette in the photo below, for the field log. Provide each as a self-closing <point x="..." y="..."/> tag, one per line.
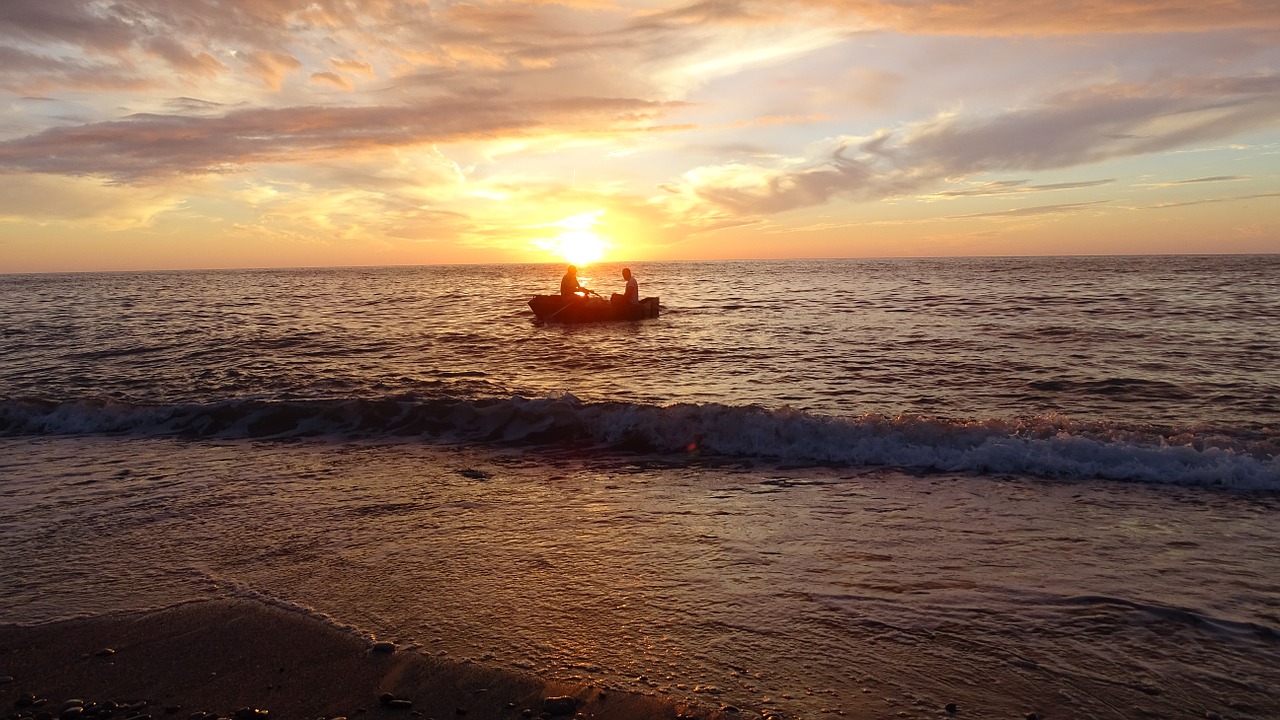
<point x="630" y="296"/>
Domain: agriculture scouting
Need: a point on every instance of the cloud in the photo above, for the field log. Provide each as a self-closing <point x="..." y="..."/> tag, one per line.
<point x="1030" y="211"/>
<point x="1199" y="181"/>
<point x="356" y="67"/>
<point x="1211" y="201"/>
<point x="150" y="145"/>
<point x="537" y="48"/>
<point x="194" y="106"/>
<point x="74" y="22"/>
<point x="1012" y="187"/>
<point x="1070" y="129"/>
<point x="190" y="36"/>
<point x="28" y="73"/>
<point x="598" y="47"/>
<point x="82" y="202"/>
<point x="330" y="78"/>
<point x="1100" y="122"/>
<point x="270" y="67"/>
<point x="232" y="84"/>
<point x="183" y="60"/>
<point x="1046" y="17"/>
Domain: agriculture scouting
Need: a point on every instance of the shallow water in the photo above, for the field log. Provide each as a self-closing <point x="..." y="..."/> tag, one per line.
<point x="794" y="589"/>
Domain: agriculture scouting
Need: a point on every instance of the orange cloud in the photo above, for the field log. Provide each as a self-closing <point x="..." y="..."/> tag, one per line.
<point x="329" y="78"/>
<point x="270" y="67"/>
<point x="358" y="67"/>
<point x="1045" y="17"/>
<point x="147" y="145"/>
<point x="180" y="58"/>
<point x="1065" y="130"/>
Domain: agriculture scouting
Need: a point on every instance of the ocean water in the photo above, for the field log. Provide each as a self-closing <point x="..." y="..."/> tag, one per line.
<point x="867" y="487"/>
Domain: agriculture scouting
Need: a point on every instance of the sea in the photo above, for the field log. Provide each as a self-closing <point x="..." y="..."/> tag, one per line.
<point x="810" y="488"/>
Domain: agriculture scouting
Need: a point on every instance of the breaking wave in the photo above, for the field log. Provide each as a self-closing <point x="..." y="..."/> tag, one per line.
<point x="1047" y="446"/>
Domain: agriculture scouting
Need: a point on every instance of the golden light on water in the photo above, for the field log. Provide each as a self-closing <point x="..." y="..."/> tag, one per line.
<point x="576" y="242"/>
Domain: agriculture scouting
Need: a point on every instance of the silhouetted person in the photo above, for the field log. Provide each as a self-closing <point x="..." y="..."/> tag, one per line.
<point x="569" y="287"/>
<point x="630" y="296"/>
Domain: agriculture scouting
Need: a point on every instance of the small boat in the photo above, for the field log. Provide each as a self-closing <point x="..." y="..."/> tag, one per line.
<point x="552" y="308"/>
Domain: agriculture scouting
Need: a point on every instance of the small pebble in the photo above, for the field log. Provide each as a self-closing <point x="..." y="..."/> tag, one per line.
<point x="400" y="704"/>
<point x="386" y="698"/>
<point x="1209" y="715"/>
<point x="561" y="705"/>
<point x="6" y="679"/>
<point x="71" y="713"/>
<point x="384" y="647"/>
<point x="1031" y="716"/>
<point x="106" y="652"/>
<point x="952" y="708"/>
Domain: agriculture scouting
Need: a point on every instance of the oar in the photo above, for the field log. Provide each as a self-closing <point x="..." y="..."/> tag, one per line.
<point x="547" y="319"/>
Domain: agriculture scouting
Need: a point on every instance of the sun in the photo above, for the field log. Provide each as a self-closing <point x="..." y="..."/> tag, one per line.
<point x="577" y="243"/>
<point x="580" y="247"/>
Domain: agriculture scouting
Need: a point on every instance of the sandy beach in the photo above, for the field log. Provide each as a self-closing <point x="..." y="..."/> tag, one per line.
<point x="214" y="658"/>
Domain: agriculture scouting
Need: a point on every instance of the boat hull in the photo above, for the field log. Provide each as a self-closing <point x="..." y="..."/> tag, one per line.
<point x="551" y="308"/>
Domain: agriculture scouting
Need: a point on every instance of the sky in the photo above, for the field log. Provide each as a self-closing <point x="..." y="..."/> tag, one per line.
<point x="155" y="134"/>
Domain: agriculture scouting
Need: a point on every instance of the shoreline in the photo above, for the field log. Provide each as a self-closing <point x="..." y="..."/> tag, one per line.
<point x="226" y="658"/>
<point x="805" y="593"/>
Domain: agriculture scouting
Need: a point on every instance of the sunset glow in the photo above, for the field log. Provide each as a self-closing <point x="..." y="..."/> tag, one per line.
<point x="580" y="247"/>
<point x="230" y="133"/>
<point x="574" y="240"/>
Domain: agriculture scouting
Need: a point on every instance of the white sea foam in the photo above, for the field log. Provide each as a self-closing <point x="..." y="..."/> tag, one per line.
<point x="1050" y="447"/>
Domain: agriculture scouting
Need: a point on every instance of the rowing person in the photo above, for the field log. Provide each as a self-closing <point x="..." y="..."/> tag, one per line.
<point x="570" y="289"/>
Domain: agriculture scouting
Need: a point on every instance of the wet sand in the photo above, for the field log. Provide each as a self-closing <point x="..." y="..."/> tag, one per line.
<point x="223" y="656"/>
<point x="805" y="592"/>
